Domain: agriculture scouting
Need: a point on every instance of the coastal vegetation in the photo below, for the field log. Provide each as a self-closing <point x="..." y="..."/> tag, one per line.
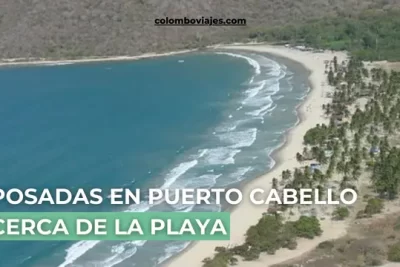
<point x="268" y="235"/>
<point x="65" y="29"/>
<point x="371" y="242"/>
<point x="357" y="147"/>
<point x="369" y="35"/>
<point x="341" y="213"/>
<point x="394" y="252"/>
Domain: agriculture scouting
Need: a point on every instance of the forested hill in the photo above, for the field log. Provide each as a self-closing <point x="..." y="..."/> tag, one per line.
<point x="370" y="35"/>
<point x="78" y="28"/>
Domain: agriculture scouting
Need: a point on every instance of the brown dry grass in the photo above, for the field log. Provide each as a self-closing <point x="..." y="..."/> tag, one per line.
<point x="387" y="65"/>
<point x="72" y="28"/>
<point x="366" y="244"/>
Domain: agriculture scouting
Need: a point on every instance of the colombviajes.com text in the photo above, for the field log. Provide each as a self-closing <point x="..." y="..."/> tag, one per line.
<point x="203" y="21"/>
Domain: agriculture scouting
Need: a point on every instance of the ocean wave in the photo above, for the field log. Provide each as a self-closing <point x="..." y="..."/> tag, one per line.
<point x="261" y="94"/>
<point x="183" y="207"/>
<point x="141" y="207"/>
<point x="252" y="92"/>
<point x="220" y="156"/>
<point x="251" y="61"/>
<point x="269" y="153"/>
<point x="202" y="181"/>
<point x="121" y="255"/>
<point x="235" y="177"/>
<point x="209" y="207"/>
<point x="275" y="69"/>
<point x="229" y="126"/>
<point x="121" y="252"/>
<point x="202" y="152"/>
<point x="57" y="64"/>
<point x="178" y="171"/>
<point x="262" y="111"/>
<point x="75" y="251"/>
<point x="239" y="139"/>
<point x="171" y="250"/>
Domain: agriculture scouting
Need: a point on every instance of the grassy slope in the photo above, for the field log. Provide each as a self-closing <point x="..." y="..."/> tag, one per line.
<point x="65" y="28"/>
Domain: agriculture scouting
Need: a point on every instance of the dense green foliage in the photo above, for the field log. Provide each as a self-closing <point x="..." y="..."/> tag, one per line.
<point x="387" y="173"/>
<point x="341" y="213"/>
<point x="268" y="235"/>
<point x="315" y="135"/>
<point x="394" y="253"/>
<point x="372" y="35"/>
<point x="307" y="227"/>
<point x="374" y="206"/>
<point x="223" y="257"/>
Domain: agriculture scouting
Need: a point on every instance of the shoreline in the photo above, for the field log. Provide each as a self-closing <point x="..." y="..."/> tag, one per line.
<point x="309" y="113"/>
<point x="43" y="61"/>
<point x="12" y="62"/>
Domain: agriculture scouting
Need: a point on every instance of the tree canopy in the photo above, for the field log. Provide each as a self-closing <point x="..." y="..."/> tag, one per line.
<point x="371" y="35"/>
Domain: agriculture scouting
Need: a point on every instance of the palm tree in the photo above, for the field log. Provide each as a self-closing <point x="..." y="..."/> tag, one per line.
<point x="274" y="183"/>
<point x="305" y="152"/>
<point x="321" y="157"/>
<point x="286" y="175"/>
<point x="340" y="167"/>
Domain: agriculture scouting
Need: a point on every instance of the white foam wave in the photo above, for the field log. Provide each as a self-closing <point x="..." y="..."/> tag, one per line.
<point x="275" y="69"/>
<point x="204" y="181"/>
<point x="171" y="250"/>
<point x="121" y="255"/>
<point x="228" y="126"/>
<point x="122" y="252"/>
<point x="252" y="92"/>
<point x="261" y="97"/>
<point x="235" y="177"/>
<point x="221" y="156"/>
<point x="209" y="207"/>
<point x="75" y="251"/>
<point x="57" y="64"/>
<point x="262" y="111"/>
<point x="78" y="249"/>
<point x="141" y="207"/>
<point x="240" y="139"/>
<point x="202" y="152"/>
<point x="178" y="171"/>
<point x="251" y="61"/>
<point x="240" y="172"/>
<point x="301" y="97"/>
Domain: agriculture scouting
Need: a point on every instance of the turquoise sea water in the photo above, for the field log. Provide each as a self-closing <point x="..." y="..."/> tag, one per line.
<point x="194" y="120"/>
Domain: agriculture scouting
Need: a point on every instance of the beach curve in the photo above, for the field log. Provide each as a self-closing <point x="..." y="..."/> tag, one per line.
<point x="246" y="214"/>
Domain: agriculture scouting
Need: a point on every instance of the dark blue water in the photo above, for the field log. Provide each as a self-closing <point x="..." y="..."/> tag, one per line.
<point x="210" y="120"/>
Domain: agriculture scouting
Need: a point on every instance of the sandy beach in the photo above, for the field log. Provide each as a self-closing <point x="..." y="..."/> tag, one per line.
<point x="247" y="214"/>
